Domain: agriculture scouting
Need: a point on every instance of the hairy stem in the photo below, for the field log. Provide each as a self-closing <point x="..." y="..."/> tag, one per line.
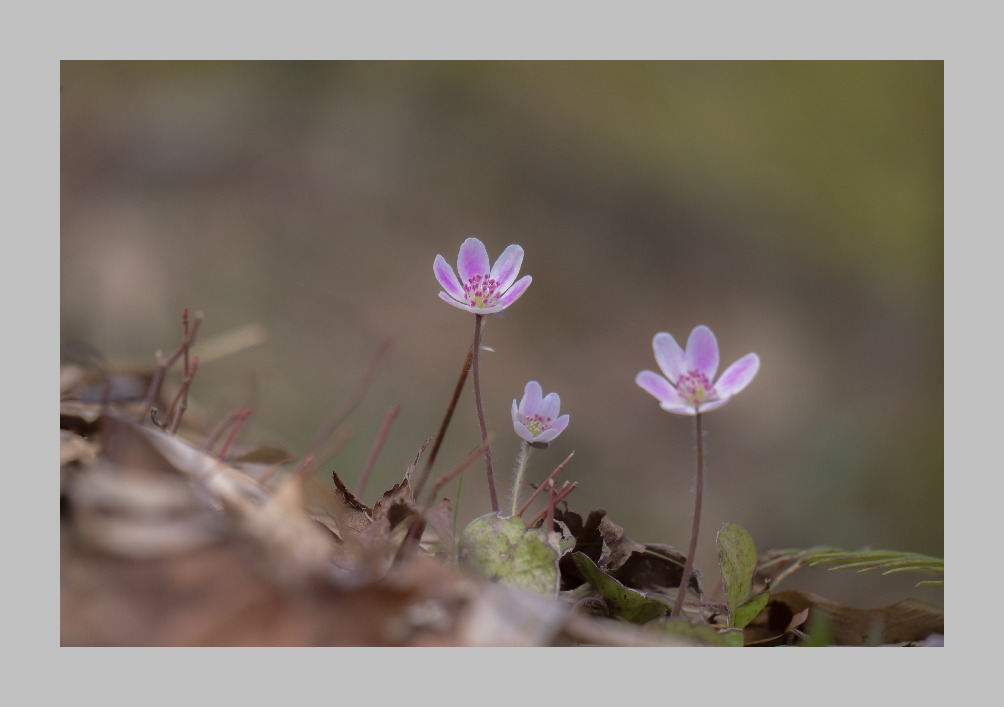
<point x="689" y="566"/>
<point x="524" y="455"/>
<point x="475" y="351"/>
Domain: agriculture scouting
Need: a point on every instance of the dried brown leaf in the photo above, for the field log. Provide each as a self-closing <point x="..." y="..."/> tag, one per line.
<point x="588" y="541"/>
<point x="75" y="448"/>
<point x="649" y="567"/>
<point x="397" y="495"/>
<point x="902" y="622"/>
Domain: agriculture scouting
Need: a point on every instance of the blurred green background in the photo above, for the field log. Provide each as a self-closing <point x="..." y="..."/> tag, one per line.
<point x="796" y="208"/>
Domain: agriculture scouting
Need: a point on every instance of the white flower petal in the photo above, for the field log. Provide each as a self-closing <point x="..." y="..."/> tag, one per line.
<point x="560" y="424"/>
<point x="522" y="432"/>
<point x="532" y="396"/>
<point x="678" y="408"/>
<point x="714" y="404"/>
<point x="549" y="406"/>
<point x="506" y="268"/>
<point x="702" y="352"/>
<point x="668" y="355"/>
<point x="738" y="375"/>
<point x="657" y="386"/>
<point x="514" y="292"/>
<point x="459" y="305"/>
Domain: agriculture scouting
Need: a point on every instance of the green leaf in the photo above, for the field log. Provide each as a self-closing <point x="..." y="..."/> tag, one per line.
<point x="504" y="549"/>
<point x="637" y="607"/>
<point x="890" y="561"/>
<point x="749" y="610"/>
<point x="737" y="558"/>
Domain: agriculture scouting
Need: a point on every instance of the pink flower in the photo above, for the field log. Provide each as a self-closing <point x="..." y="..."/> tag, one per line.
<point x="689" y="385"/>
<point x="482" y="288"/>
<point x="535" y="418"/>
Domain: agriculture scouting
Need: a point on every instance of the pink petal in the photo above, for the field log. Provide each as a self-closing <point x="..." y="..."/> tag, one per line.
<point x="530" y="403"/>
<point x="549" y="406"/>
<point x="702" y="352"/>
<point x="714" y="404"/>
<point x="507" y="267"/>
<point x="473" y="259"/>
<point x="447" y="278"/>
<point x="678" y="408"/>
<point x="513" y="293"/>
<point x="487" y="311"/>
<point x="668" y="355"/>
<point x="560" y="424"/>
<point x="657" y="386"/>
<point x="515" y="412"/>
<point x="459" y="305"/>
<point x="548" y="435"/>
<point x="738" y="375"/>
<point x="522" y="432"/>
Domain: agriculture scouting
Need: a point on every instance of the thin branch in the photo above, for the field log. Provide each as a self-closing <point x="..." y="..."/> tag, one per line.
<point x="375" y="451"/>
<point x="549" y="518"/>
<point x="239" y="421"/>
<point x="446" y="478"/>
<point x="415" y="530"/>
<point x="223" y="424"/>
<point x="180" y="402"/>
<point x="562" y="494"/>
<point x="429" y="460"/>
<point x="190" y="330"/>
<point x="354" y="398"/>
<point x="540" y="488"/>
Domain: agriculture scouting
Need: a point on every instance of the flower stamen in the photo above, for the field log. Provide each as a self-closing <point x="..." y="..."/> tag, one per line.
<point x="481" y="291"/>
<point x="537" y="424"/>
<point x="695" y="388"/>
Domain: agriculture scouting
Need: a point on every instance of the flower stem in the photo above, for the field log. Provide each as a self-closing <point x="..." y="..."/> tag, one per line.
<point x="429" y="460"/>
<point x="524" y="455"/>
<point x="475" y="357"/>
<point x="689" y="566"/>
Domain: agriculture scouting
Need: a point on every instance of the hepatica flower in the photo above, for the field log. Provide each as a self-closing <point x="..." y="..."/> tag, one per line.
<point x="482" y="288"/>
<point x="689" y="386"/>
<point x="535" y="418"/>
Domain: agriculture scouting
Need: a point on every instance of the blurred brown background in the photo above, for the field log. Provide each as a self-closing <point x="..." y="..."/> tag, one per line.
<point x="794" y="207"/>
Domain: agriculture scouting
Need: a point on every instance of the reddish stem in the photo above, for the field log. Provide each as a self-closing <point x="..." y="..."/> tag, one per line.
<point x="475" y="349"/>
<point x="431" y="458"/>
<point x="180" y="402"/>
<point x="540" y="488"/>
<point x="220" y="426"/>
<point x="162" y="366"/>
<point x="560" y="496"/>
<point x="375" y="451"/>
<point x="239" y="421"/>
<point x="549" y="518"/>
<point x="689" y="566"/>
<point x="350" y="403"/>
<point x="447" y="478"/>
<point x="414" y="531"/>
